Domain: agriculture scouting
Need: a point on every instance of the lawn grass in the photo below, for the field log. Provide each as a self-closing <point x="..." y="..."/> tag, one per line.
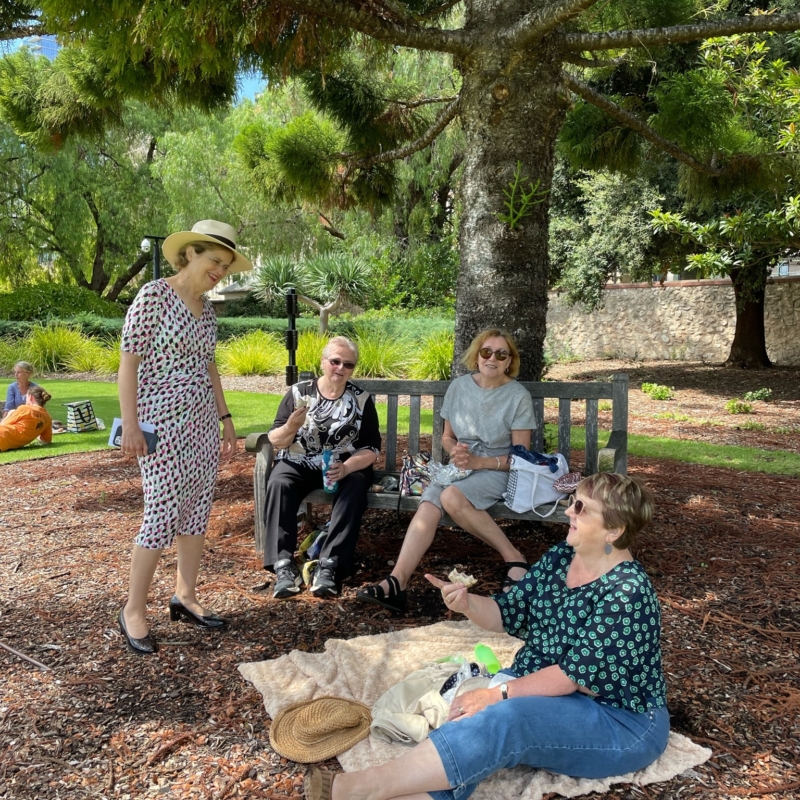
<point x="254" y="412"/>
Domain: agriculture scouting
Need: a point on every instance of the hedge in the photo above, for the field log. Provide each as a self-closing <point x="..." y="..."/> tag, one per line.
<point x="43" y="301"/>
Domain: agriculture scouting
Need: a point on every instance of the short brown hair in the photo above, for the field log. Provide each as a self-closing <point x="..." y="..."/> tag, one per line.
<point x="626" y="503"/>
<point x="470" y="358"/>
<point x="199" y="247"/>
<point x="39" y="395"/>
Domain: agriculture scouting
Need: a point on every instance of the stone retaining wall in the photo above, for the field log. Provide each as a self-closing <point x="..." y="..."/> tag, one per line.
<point x="680" y="321"/>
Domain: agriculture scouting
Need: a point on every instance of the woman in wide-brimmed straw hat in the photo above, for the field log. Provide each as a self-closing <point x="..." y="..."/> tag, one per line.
<point x="168" y="378"/>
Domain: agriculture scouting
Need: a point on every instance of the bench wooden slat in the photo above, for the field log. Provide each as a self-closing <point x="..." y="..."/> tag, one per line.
<point x="538" y="431"/>
<point x="619" y="419"/>
<point x="438" y="429"/>
<point x="564" y="426"/>
<point x="415" y="403"/>
<point x="592" y="432"/>
<point x="390" y="448"/>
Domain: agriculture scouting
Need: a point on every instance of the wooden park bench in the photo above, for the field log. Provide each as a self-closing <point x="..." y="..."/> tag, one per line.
<point x="611" y="458"/>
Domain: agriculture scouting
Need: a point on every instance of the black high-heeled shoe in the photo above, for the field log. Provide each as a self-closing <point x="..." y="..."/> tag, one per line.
<point x="145" y="646"/>
<point x="178" y="611"/>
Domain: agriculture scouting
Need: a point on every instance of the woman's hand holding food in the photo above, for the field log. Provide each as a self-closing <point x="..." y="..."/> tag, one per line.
<point x="462" y="458"/>
<point x="470" y="703"/>
<point x="296" y="419"/>
<point x="455" y="595"/>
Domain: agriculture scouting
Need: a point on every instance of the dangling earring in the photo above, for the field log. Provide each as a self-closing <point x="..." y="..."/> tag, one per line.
<point x="608" y="548"/>
<point x="507" y="369"/>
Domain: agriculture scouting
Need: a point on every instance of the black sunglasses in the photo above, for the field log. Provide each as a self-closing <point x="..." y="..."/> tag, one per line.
<point x="337" y="362"/>
<point x="486" y="352"/>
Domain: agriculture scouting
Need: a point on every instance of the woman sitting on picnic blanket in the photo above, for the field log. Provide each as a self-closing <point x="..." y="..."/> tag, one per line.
<point x="27" y="422"/>
<point x="17" y="392"/>
<point x="484" y="414"/>
<point x="328" y="411"/>
<point x="585" y="695"/>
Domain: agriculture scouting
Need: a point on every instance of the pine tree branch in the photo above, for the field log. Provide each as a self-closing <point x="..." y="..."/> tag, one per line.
<point x="647" y="37"/>
<point x="634" y="123"/>
<point x="543" y="20"/>
<point x="407" y="34"/>
<point x="21" y="32"/>
<point x="442" y="121"/>
<point x="426" y="101"/>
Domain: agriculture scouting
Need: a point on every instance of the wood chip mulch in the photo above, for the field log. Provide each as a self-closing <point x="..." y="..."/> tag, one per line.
<point x="97" y="721"/>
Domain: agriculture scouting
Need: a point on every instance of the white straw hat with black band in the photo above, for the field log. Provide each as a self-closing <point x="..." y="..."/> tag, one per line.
<point x="211" y="231"/>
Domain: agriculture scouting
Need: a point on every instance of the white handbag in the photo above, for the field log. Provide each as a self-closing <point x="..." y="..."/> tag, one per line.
<point x="531" y="485"/>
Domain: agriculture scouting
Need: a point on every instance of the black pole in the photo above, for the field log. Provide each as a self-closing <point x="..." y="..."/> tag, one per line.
<point x="291" y="337"/>
<point x="156" y="240"/>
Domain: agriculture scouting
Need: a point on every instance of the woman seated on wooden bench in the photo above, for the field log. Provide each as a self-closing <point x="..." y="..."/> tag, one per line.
<point x="484" y="414"/>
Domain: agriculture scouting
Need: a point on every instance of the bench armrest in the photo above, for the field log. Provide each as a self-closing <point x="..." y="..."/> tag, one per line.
<point x="260" y="444"/>
<point x="614" y="456"/>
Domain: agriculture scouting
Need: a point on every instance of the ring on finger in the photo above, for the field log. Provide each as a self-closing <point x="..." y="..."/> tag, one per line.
<point x="460" y="710"/>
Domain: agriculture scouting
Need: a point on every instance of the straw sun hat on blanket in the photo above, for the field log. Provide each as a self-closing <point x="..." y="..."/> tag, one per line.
<point x="316" y="730"/>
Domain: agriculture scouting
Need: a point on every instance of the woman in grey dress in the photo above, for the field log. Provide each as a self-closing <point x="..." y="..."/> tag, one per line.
<point x="484" y="414"/>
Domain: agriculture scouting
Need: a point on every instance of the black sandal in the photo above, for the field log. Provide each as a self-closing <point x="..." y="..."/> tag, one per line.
<point x="394" y="599"/>
<point x="508" y="581"/>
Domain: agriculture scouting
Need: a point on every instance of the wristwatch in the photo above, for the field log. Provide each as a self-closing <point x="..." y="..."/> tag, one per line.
<point x="503" y="687"/>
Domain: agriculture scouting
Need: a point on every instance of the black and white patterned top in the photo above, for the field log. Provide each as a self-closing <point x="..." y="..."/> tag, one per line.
<point x="347" y="424"/>
<point x="605" y="635"/>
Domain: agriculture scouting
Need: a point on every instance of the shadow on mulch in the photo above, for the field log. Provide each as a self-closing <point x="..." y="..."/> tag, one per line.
<point x="723" y="554"/>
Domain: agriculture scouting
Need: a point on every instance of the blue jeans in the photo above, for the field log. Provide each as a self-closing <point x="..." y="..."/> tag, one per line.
<point x="571" y="735"/>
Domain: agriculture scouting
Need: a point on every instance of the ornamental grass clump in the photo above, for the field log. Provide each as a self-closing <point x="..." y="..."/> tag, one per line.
<point x="254" y="353"/>
<point x="309" y="351"/>
<point x="380" y="354"/>
<point x="11" y="351"/>
<point x="50" y="348"/>
<point x="434" y="358"/>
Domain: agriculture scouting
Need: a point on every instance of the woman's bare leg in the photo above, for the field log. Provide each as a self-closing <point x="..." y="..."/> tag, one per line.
<point x="418" y="538"/>
<point x="143" y="566"/>
<point x="409" y="777"/>
<point x="190" y="554"/>
<point x="482" y="526"/>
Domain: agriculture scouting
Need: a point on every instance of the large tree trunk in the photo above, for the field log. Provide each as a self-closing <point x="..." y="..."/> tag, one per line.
<point x="749" y="347"/>
<point x="512" y="108"/>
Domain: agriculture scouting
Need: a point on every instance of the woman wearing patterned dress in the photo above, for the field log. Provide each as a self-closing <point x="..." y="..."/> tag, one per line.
<point x="585" y="695"/>
<point x="328" y="411"/>
<point x="167" y="377"/>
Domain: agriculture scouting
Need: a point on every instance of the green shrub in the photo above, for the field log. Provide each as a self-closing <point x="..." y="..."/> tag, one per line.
<point x="255" y="353"/>
<point x="753" y="426"/>
<point x="759" y="394"/>
<point x="656" y="391"/>
<point x="738" y="407"/>
<point x="250" y="306"/>
<point x="50" y="347"/>
<point x="11" y="351"/>
<point x="380" y="354"/>
<point x="309" y="350"/>
<point x="434" y="358"/>
<point x="605" y="405"/>
<point x="45" y="300"/>
<point x="393" y="322"/>
<point x="86" y="358"/>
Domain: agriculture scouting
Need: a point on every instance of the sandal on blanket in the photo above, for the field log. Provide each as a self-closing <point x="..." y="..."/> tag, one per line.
<point x="394" y="599"/>
<point x="318" y="785"/>
<point x="508" y="581"/>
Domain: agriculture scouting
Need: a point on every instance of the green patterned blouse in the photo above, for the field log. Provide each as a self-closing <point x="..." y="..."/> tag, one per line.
<point x="605" y="635"/>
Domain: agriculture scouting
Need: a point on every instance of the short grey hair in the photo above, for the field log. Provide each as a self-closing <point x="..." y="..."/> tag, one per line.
<point x="341" y="341"/>
<point x="26" y="365"/>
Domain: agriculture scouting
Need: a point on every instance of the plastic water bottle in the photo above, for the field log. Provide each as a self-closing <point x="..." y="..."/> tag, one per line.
<point x="328" y="458"/>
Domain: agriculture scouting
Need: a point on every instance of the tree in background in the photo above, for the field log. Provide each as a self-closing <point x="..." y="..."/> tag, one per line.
<point x="512" y="59"/>
<point x="19" y="18"/>
<point x="324" y="282"/>
<point x="87" y="201"/>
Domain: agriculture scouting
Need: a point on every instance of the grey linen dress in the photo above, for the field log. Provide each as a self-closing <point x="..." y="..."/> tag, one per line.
<point x="484" y="419"/>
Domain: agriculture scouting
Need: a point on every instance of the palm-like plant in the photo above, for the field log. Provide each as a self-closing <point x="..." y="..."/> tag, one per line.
<point x="323" y="281"/>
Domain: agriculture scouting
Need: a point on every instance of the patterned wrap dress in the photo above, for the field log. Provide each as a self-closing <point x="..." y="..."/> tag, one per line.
<point x="175" y="395"/>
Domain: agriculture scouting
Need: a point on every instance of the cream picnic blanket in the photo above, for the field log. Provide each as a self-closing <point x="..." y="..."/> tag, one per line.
<point x="365" y="667"/>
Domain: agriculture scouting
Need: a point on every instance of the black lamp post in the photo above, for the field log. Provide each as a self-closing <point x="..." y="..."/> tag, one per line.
<point x="291" y="337"/>
<point x="146" y="245"/>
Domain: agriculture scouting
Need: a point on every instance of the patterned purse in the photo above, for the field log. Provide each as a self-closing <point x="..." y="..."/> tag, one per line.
<point x="81" y="417"/>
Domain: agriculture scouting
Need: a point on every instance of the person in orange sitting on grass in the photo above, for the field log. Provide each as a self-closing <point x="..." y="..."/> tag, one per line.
<point x="26" y="423"/>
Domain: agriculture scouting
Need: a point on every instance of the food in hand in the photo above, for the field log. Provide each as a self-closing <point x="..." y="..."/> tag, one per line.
<point x="302" y="402"/>
<point x="461" y="577"/>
